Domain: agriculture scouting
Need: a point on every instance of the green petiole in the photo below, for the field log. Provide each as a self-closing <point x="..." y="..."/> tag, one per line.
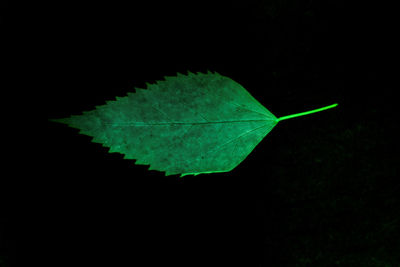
<point x="306" y="112"/>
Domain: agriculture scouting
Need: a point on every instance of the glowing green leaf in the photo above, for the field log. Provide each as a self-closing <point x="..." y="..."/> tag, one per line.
<point x="187" y="124"/>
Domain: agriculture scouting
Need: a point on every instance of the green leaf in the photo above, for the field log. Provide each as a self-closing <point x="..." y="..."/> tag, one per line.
<point x="187" y="124"/>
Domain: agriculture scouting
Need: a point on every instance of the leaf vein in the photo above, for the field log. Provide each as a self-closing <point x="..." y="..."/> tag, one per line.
<point x="218" y="148"/>
<point x="180" y="123"/>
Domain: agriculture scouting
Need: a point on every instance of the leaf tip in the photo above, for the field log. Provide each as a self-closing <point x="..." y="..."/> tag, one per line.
<point x="60" y="120"/>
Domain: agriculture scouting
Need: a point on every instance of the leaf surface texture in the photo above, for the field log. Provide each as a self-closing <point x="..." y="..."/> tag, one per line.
<point x="185" y="124"/>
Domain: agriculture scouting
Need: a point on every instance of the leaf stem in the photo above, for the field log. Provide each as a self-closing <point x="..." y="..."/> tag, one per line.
<point x="306" y="112"/>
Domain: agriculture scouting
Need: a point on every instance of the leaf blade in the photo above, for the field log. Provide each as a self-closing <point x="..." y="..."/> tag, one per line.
<point x="188" y="124"/>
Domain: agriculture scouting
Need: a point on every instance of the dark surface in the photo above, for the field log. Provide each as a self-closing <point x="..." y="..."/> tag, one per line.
<point x="321" y="190"/>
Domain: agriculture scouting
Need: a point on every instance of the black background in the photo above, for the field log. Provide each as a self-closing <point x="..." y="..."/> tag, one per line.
<point x="321" y="190"/>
